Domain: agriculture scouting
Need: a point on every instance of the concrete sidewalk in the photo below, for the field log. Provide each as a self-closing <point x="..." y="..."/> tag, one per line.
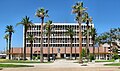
<point x="64" y="65"/>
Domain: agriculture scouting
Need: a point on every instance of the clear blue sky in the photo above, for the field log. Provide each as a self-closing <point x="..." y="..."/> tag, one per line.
<point x="105" y="13"/>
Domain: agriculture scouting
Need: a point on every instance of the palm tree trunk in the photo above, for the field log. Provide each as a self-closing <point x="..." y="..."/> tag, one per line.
<point x="71" y="39"/>
<point x="65" y="52"/>
<point x="6" y="46"/>
<point x="41" y="49"/>
<point x="31" y="50"/>
<point x="49" y="46"/>
<point x="87" y="51"/>
<point x="80" y="36"/>
<point x="98" y="52"/>
<point x="12" y="53"/>
<point x="105" y="52"/>
<point x="24" y="49"/>
<point x="93" y="48"/>
<point x="75" y="53"/>
<point x="9" y="45"/>
<point x="52" y="53"/>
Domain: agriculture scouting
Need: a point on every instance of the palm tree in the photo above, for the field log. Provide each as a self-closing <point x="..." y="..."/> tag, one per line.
<point x="70" y="32"/>
<point x="87" y="20"/>
<point x="48" y="32"/>
<point x="26" y="22"/>
<point x="41" y="13"/>
<point x="93" y="34"/>
<point x="78" y="9"/>
<point x="6" y="37"/>
<point x="85" y="33"/>
<point x="31" y="39"/>
<point x="10" y="30"/>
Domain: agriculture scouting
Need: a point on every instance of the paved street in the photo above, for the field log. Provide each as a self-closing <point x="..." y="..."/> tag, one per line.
<point x="64" y="65"/>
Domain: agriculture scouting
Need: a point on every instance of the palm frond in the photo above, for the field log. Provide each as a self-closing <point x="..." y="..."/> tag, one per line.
<point x="78" y="7"/>
<point x="31" y="38"/>
<point x="70" y="32"/>
<point x="41" y="12"/>
<point x="9" y="28"/>
<point x="85" y="33"/>
<point x="20" y="23"/>
<point x="6" y="36"/>
<point x="48" y="27"/>
<point x="26" y="22"/>
<point x="90" y="19"/>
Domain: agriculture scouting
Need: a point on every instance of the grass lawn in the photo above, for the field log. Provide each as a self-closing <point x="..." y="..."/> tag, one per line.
<point x="112" y="64"/>
<point x="104" y="60"/>
<point x="13" y="65"/>
<point x="19" y="61"/>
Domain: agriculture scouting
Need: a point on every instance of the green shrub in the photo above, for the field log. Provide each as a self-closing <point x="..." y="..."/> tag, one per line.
<point x="116" y="56"/>
<point x="38" y="57"/>
<point x="34" y="57"/>
<point x="83" y="54"/>
<point x="91" y="57"/>
<point x="115" y="50"/>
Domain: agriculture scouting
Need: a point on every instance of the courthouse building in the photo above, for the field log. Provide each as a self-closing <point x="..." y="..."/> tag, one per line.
<point x="59" y="42"/>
